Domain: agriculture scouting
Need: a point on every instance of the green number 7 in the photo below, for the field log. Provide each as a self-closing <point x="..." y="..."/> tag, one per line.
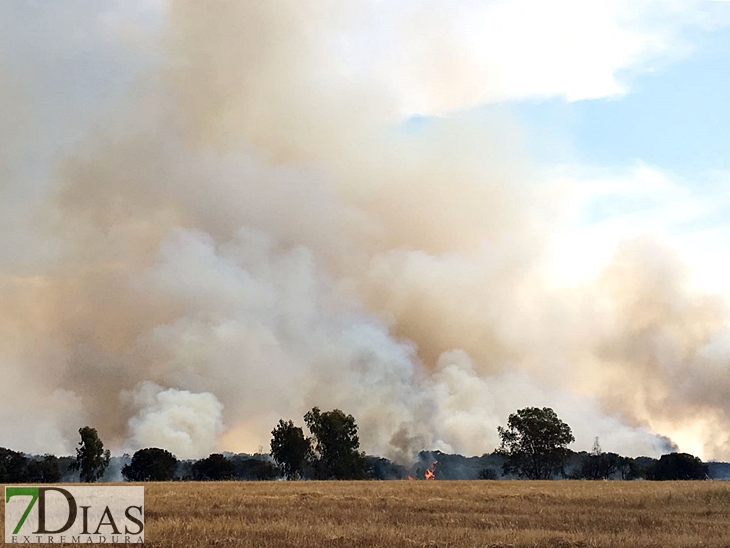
<point x="11" y="492"/>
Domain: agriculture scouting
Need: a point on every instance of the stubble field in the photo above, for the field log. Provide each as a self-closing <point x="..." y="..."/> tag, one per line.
<point x="439" y="514"/>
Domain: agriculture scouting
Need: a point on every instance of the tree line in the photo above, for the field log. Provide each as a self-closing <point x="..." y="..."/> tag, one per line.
<point x="534" y="445"/>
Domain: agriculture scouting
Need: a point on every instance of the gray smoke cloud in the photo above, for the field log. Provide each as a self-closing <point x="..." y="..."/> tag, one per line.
<point x="240" y="226"/>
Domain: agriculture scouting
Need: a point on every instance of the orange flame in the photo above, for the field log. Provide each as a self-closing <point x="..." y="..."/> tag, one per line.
<point x="431" y="472"/>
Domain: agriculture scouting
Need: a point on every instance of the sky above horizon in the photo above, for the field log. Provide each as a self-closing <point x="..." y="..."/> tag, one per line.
<point x="624" y="101"/>
<point x="653" y="157"/>
<point x="638" y="124"/>
<point x="486" y="163"/>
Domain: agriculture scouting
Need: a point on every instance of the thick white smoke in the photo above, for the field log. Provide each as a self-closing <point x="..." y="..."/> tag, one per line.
<point x="184" y="423"/>
<point x="244" y="226"/>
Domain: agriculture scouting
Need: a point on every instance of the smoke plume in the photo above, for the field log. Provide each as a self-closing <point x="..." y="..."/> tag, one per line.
<point x="246" y="223"/>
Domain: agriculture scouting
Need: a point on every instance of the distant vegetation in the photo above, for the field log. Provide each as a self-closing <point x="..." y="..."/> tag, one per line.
<point x="534" y="445"/>
<point x="18" y="468"/>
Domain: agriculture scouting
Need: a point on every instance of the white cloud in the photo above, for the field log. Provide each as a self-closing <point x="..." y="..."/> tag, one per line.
<point x="444" y="55"/>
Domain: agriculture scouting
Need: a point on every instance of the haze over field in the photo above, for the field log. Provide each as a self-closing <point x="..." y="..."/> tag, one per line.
<point x="215" y="217"/>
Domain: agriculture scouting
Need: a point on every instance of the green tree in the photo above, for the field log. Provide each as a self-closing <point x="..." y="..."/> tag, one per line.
<point x="535" y="443"/>
<point x="598" y="465"/>
<point x="215" y="467"/>
<point x="152" y="464"/>
<point x="44" y="470"/>
<point x="630" y="469"/>
<point x="91" y="458"/>
<point x="677" y="466"/>
<point x="336" y="445"/>
<point x="254" y="468"/>
<point x="13" y="466"/>
<point x="290" y="449"/>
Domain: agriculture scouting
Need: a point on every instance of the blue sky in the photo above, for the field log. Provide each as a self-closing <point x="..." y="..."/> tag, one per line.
<point x="653" y="160"/>
<point x="676" y="117"/>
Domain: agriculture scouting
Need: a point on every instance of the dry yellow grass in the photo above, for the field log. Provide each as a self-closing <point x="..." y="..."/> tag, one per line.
<point x="439" y="514"/>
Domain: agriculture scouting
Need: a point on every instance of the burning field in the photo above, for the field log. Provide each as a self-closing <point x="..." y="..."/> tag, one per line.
<point x="439" y="514"/>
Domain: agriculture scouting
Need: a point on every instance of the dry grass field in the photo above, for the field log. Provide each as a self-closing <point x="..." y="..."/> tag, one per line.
<point x="439" y="514"/>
